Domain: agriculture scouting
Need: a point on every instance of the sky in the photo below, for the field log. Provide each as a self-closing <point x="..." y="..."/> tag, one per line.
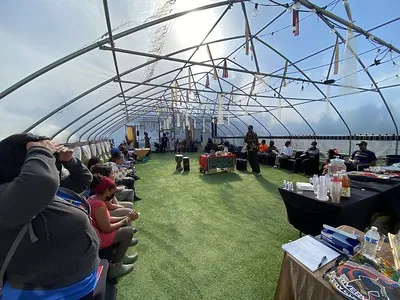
<point x="39" y="32"/>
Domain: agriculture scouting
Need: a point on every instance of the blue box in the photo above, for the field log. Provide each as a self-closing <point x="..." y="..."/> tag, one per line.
<point x="340" y="240"/>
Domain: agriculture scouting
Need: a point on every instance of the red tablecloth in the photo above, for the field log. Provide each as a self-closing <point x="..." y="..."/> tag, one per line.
<point x="204" y="159"/>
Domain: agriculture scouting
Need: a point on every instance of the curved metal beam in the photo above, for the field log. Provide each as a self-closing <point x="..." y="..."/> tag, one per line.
<point x="306" y="76"/>
<point x="370" y="77"/>
<point x="105" y="41"/>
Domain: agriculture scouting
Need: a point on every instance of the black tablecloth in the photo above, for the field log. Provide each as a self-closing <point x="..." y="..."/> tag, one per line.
<point x="308" y="214"/>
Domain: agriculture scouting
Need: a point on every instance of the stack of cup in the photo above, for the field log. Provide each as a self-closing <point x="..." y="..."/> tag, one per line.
<point x="322" y="193"/>
<point x="336" y="190"/>
<point x="315" y="182"/>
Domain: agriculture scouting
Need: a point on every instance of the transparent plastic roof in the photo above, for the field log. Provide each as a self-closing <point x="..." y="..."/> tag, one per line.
<point x="80" y="71"/>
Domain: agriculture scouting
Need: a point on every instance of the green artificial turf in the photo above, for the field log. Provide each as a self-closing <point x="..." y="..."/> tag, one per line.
<point x="207" y="236"/>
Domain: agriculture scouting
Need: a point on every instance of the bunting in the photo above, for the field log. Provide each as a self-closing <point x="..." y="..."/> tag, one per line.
<point x="207" y="81"/>
<point x="215" y="74"/>
<point x="296" y="23"/>
<point x="225" y="70"/>
<point x="336" y="68"/>
<point x="284" y="74"/>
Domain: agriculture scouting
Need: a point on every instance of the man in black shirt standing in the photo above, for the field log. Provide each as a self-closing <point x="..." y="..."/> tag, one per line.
<point x="251" y="139"/>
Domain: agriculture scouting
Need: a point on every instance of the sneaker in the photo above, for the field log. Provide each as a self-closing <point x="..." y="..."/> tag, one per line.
<point x="258" y="174"/>
<point x="130" y="259"/>
<point x="134" y="230"/>
<point x="118" y="270"/>
<point x="133" y="242"/>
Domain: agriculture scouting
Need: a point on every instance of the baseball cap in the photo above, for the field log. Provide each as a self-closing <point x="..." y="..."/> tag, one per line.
<point x="115" y="151"/>
<point x="362" y="143"/>
<point x="314" y="143"/>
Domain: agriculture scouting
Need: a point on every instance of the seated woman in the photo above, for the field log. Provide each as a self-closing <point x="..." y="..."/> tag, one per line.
<point x="331" y="155"/>
<point x="112" y="230"/>
<point x="116" y="208"/>
<point x="57" y="255"/>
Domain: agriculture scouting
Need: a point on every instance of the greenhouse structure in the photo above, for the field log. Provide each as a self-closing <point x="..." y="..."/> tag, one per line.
<point x="102" y="76"/>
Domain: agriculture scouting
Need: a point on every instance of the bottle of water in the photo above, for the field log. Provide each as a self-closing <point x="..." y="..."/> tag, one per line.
<point x="371" y="241"/>
<point x="285" y="185"/>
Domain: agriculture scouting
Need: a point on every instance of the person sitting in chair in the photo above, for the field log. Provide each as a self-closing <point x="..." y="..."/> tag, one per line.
<point x="362" y="158"/>
<point x="262" y="151"/>
<point x="307" y="159"/>
<point x="285" y="153"/>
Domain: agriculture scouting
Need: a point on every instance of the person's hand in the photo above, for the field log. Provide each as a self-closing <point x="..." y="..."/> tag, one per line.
<point x="65" y="154"/>
<point x="49" y="144"/>
<point x="133" y="215"/>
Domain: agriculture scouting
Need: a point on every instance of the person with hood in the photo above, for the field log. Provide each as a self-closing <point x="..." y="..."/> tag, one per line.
<point x="48" y="246"/>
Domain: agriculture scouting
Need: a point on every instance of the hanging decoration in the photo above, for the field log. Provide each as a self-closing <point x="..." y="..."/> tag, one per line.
<point x="187" y="96"/>
<point x="284" y="74"/>
<point x="187" y="120"/>
<point x="207" y="81"/>
<point x="336" y="67"/>
<point x="296" y="23"/>
<point x="220" y="118"/>
<point x="189" y="79"/>
<point x="194" y="124"/>
<point x="204" y="124"/>
<point x="169" y="123"/>
<point x="225" y="70"/>
<point x="215" y="74"/>
<point x="247" y="37"/>
<point x="178" y="122"/>
<point x="229" y="119"/>
<point x="251" y="53"/>
<point x="328" y="100"/>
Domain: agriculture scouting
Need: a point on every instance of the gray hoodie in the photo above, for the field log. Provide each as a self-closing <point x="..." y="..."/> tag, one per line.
<point x="67" y="247"/>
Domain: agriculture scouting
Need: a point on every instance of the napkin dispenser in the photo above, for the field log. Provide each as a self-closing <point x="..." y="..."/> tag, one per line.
<point x="340" y="240"/>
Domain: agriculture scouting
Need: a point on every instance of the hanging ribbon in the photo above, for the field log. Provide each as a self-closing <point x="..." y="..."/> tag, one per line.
<point x="187" y="96"/>
<point x="194" y="123"/>
<point x="186" y="119"/>
<point x="215" y="74"/>
<point x="189" y="79"/>
<point x="328" y="100"/>
<point x="296" y="22"/>
<point x="251" y="53"/>
<point x="207" y="81"/>
<point x="225" y="70"/>
<point x="220" y="118"/>
<point x="247" y="37"/>
<point x="336" y="68"/>
<point x="284" y="73"/>
<point x="229" y="119"/>
<point x="178" y="122"/>
<point x="204" y="124"/>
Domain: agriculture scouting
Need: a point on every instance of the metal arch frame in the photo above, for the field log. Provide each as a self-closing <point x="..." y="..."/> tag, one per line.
<point x="1" y="95"/>
<point x="115" y="127"/>
<point x="370" y="77"/>
<point x="237" y="49"/>
<point x="105" y="41"/>
<point x="305" y="75"/>
<point x="110" y="99"/>
<point x="112" y="79"/>
<point x="103" y="120"/>
<point x="127" y="72"/>
<point x="110" y="37"/>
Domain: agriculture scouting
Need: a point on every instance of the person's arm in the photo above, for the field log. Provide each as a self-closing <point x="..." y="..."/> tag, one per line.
<point x="79" y="177"/>
<point x="112" y="206"/>
<point x="116" y="219"/>
<point x="313" y="152"/>
<point x="290" y="151"/>
<point x="34" y="188"/>
<point x="104" y="223"/>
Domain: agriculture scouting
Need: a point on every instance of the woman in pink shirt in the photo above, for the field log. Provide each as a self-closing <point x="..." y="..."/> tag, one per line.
<point x="112" y="230"/>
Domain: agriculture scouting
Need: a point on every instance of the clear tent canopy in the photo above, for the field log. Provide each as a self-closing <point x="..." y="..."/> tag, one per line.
<point x="80" y="71"/>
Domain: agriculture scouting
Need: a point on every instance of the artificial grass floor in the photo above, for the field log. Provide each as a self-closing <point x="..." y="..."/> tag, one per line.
<point x="207" y="236"/>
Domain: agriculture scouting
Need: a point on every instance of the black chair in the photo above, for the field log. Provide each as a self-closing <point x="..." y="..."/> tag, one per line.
<point x="308" y="215"/>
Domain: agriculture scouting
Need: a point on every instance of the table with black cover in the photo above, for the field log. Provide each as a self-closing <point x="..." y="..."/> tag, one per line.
<point x="368" y="195"/>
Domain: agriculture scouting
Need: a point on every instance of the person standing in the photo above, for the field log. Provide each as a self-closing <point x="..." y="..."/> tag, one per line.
<point x="147" y="143"/>
<point x="164" y="141"/>
<point x="251" y="139"/>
